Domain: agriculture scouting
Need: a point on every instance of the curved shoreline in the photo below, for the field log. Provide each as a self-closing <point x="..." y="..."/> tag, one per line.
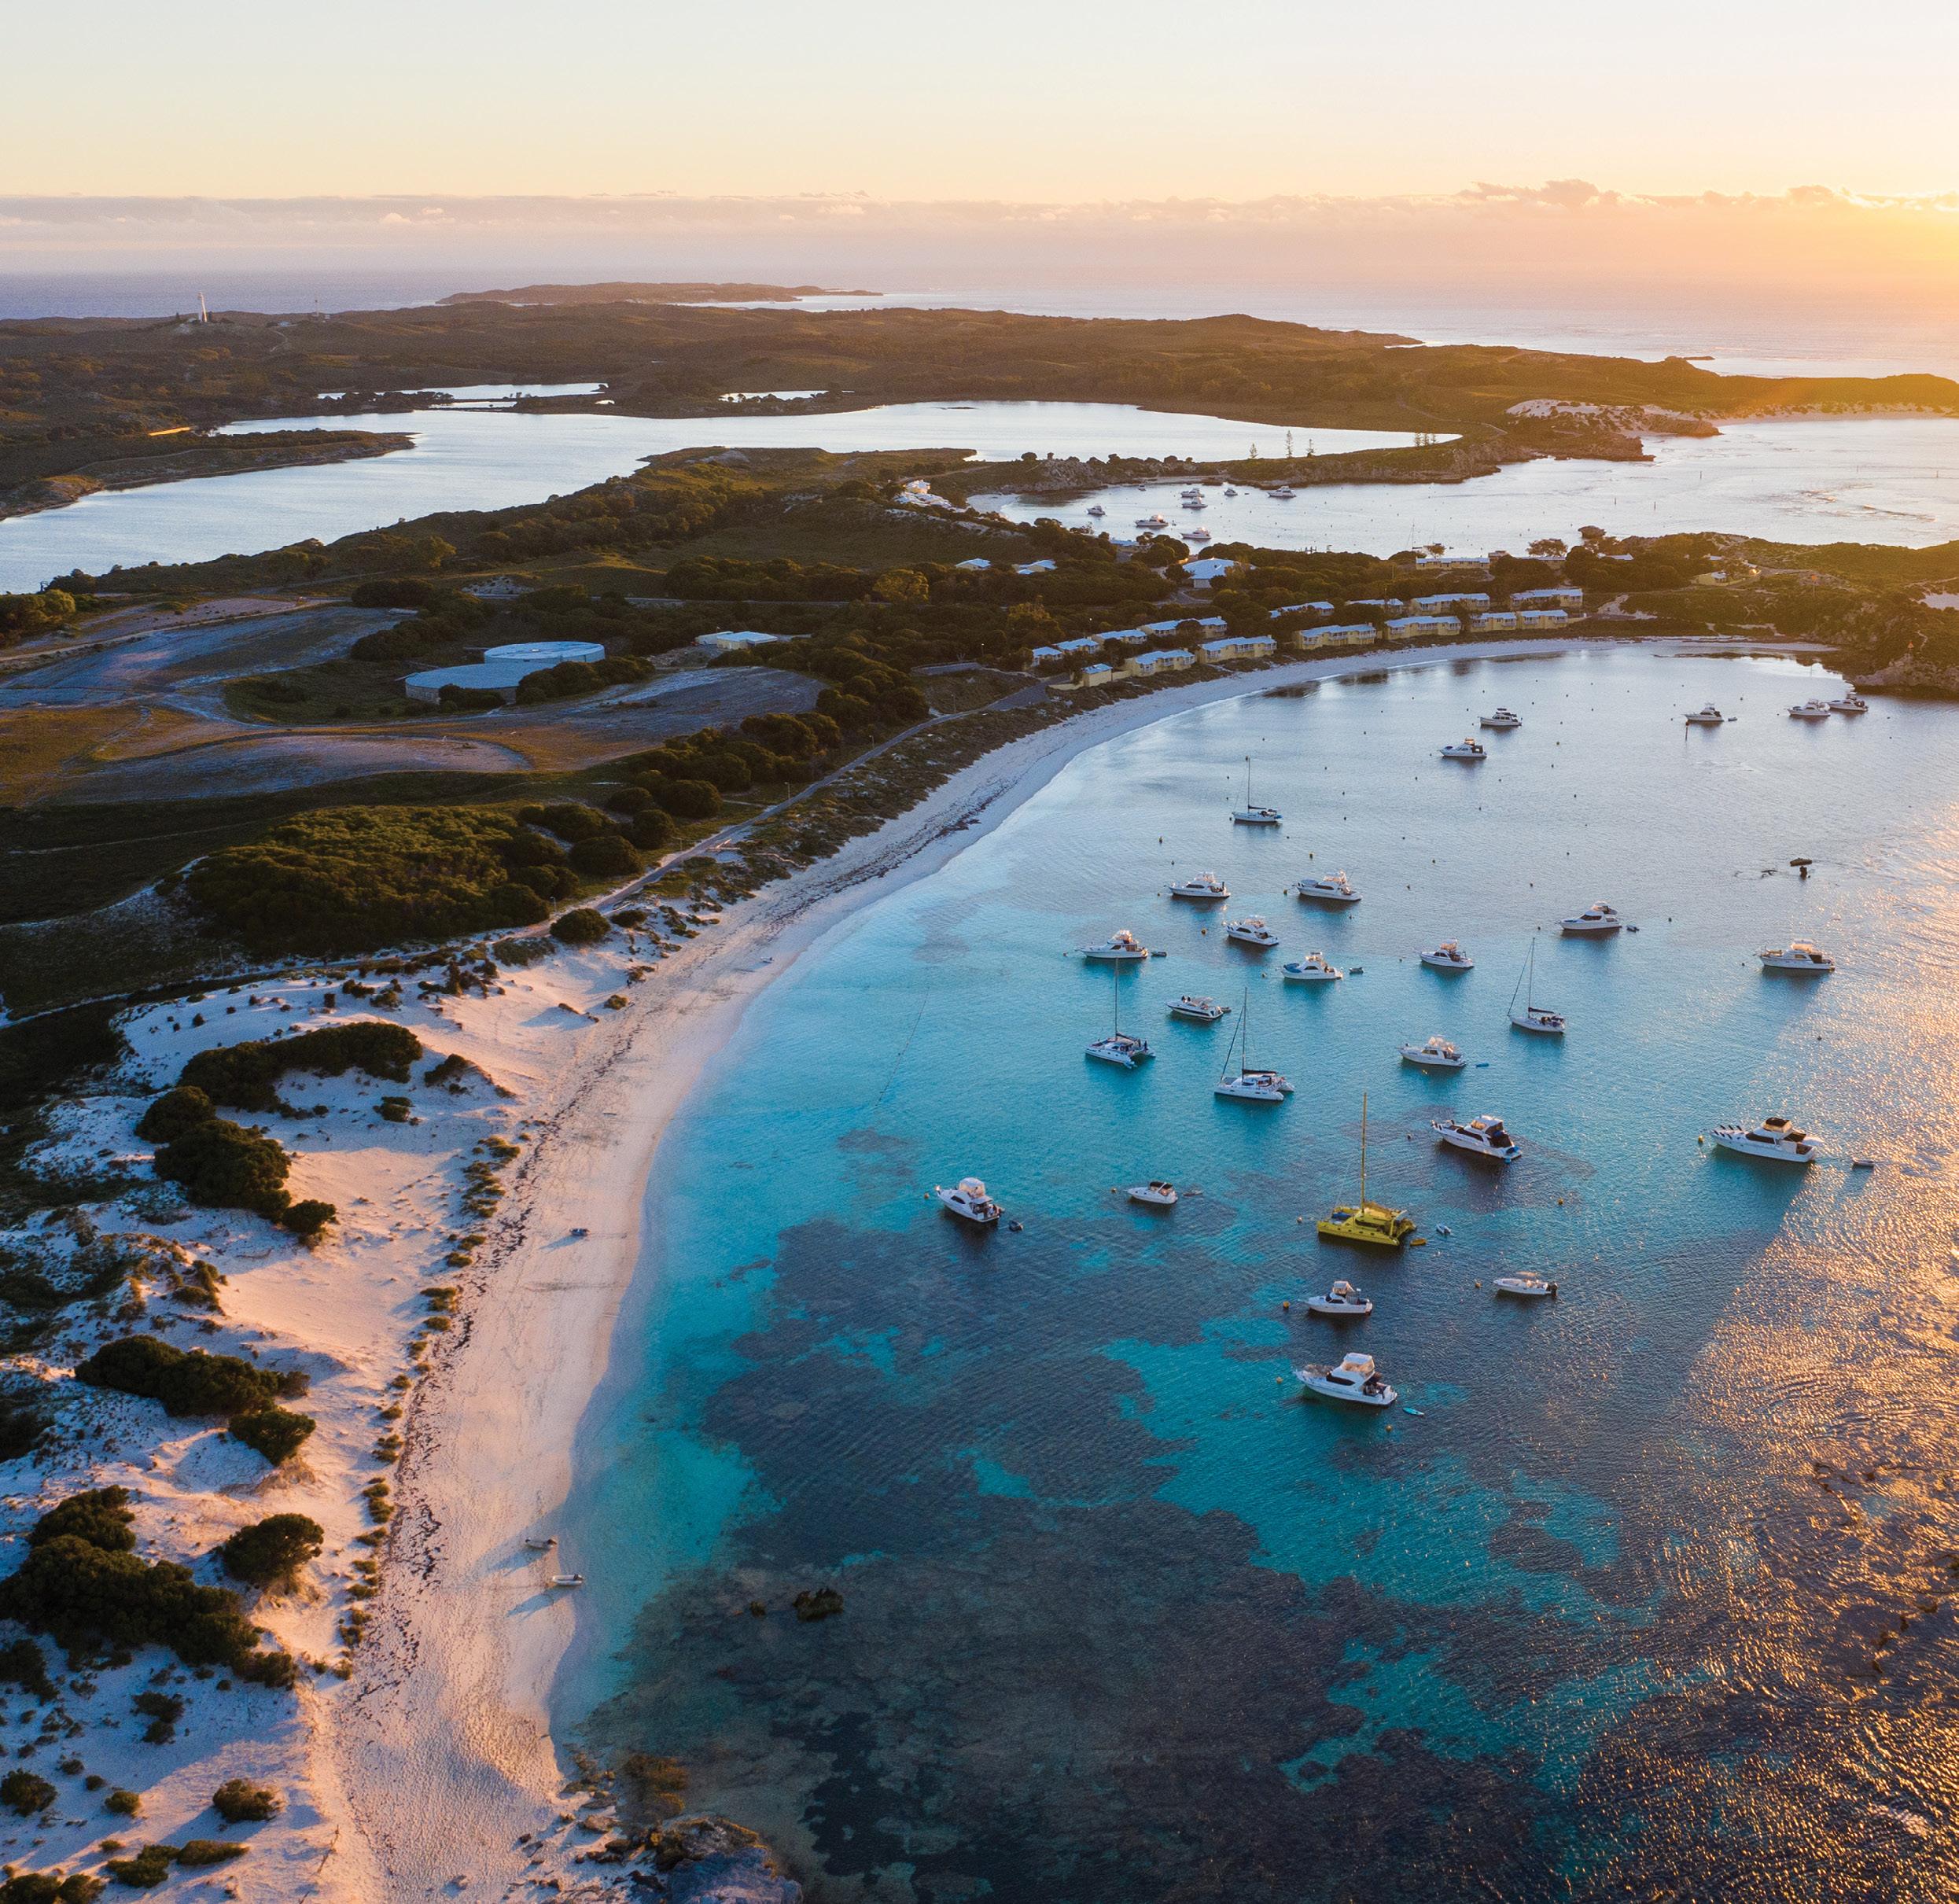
<point x="446" y="1755"/>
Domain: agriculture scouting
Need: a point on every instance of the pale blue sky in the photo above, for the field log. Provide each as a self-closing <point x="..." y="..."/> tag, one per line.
<point x="1043" y="99"/>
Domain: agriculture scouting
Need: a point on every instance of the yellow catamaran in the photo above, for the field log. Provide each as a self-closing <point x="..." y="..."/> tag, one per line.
<point x="1365" y="1222"/>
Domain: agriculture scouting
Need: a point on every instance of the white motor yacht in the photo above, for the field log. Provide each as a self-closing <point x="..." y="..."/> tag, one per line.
<point x="1250" y="1084"/>
<point x="1121" y="1047"/>
<point x="1312" y="970"/>
<point x="1502" y="718"/>
<point x="1353" y="1378"/>
<point x="1203" y="1011"/>
<point x="1228" y="492"/>
<point x="1850" y="702"/>
<point x="1448" y="957"/>
<point x="968" y="1201"/>
<point x="1775" y="1140"/>
<point x="1709" y="716"/>
<point x="1798" y="955"/>
<point x="1205" y="888"/>
<point x="1155" y="1193"/>
<point x="1333" y="890"/>
<point x="1483" y="1136"/>
<point x="1251" y="814"/>
<point x="1120" y="947"/>
<point x="1467" y="749"/>
<point x="1153" y="522"/>
<point x="1525" y="1283"/>
<point x="1530" y="1016"/>
<point x="1253" y="932"/>
<point x="1810" y="710"/>
<point x="1433" y="1054"/>
<point x="1193" y="502"/>
<point x="1283" y="493"/>
<point x="1341" y="1300"/>
<point x="1096" y="509"/>
<point x="1200" y="533"/>
<point x="1594" y="922"/>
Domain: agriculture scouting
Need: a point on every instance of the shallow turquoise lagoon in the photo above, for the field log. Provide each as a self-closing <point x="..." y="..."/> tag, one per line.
<point x="1652" y="1593"/>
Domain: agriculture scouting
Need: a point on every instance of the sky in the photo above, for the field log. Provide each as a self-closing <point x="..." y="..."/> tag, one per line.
<point x="1018" y="100"/>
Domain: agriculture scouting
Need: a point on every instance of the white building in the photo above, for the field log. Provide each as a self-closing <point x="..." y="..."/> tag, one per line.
<point x="918" y="494"/>
<point x="1042" y="657"/>
<point x="1081" y="645"/>
<point x="1206" y="569"/>
<point x="1097" y="674"/>
<point x="1565" y="598"/>
<point x="1163" y="661"/>
<point x="732" y="641"/>
<point x="501" y="671"/>
<point x="1239" y="648"/>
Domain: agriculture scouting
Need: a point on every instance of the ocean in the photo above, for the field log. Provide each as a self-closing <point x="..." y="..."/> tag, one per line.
<point x="1647" y="1592"/>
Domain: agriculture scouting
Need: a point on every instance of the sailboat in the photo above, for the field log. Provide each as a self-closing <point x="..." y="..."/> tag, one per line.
<point x="1254" y="1086"/>
<point x="1120" y="1046"/>
<point x="1251" y="816"/>
<point x="1365" y="1222"/>
<point x="1533" y="1018"/>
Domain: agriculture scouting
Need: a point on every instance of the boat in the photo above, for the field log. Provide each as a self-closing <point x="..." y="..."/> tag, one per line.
<point x="1524" y="1283"/>
<point x="542" y="1543"/>
<point x="1810" y="710"/>
<point x="968" y="1201"/>
<point x="1283" y="493"/>
<point x="1798" y="955"/>
<point x="1594" y="922"/>
<point x="1156" y="1194"/>
<point x="1709" y="716"/>
<point x="1231" y="492"/>
<point x="1192" y="490"/>
<point x="1096" y="509"/>
<point x="1199" y="534"/>
<point x="1312" y="970"/>
<point x="1120" y="947"/>
<point x="567" y="1580"/>
<point x="1375" y="1223"/>
<point x="1353" y="1378"/>
<point x="1120" y="1046"/>
<point x="1502" y="717"/>
<point x="1253" y="1086"/>
<point x="1467" y="749"/>
<point x="1534" y="1016"/>
<point x="1153" y="522"/>
<point x="1341" y="1300"/>
<point x="1850" y="702"/>
<point x="1774" y="1139"/>
<point x="1433" y="1054"/>
<point x="1483" y="1136"/>
<point x="1448" y="957"/>
<point x="1250" y="815"/>
<point x="1334" y="890"/>
<point x="1205" y="888"/>
<point x="1204" y="1010"/>
<point x="1253" y="932"/>
<point x="1193" y="502"/>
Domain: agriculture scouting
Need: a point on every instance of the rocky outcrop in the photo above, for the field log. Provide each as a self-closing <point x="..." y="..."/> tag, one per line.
<point x="700" y="1859"/>
<point x="1910" y="674"/>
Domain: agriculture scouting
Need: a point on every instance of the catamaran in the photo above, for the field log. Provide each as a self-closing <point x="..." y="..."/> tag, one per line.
<point x="1120" y="1046"/>
<point x="1365" y="1222"/>
<point x="1253" y="1086"/>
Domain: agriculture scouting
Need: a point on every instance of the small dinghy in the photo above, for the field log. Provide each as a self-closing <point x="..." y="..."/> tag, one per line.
<point x="567" y="1580"/>
<point x="541" y="1543"/>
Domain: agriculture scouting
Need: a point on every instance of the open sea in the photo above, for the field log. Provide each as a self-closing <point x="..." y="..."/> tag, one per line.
<point x="1649" y="1593"/>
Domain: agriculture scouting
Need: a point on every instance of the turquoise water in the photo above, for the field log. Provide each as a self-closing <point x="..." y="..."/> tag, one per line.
<point x="1124" y="1618"/>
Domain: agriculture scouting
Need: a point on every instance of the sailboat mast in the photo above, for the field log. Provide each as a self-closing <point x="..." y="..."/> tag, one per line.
<point x="1364" y="1150"/>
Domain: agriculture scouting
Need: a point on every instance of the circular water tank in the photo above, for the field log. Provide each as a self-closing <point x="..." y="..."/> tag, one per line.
<point x="546" y="654"/>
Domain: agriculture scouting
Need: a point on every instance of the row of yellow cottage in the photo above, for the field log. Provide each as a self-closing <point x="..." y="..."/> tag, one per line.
<point x="1086" y="653"/>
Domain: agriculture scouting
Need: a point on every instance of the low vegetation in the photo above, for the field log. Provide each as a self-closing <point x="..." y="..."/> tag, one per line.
<point x="246" y="1076"/>
<point x="276" y="1433"/>
<point x="185" y="1381"/>
<point x="237" y="1801"/>
<point x="270" y="1552"/>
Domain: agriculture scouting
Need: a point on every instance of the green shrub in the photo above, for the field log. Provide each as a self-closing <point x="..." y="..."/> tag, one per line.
<point x="23" y="1664"/>
<point x="246" y="1076"/>
<point x="185" y="1381"/>
<point x="518" y="902"/>
<point x="276" y="1433"/>
<point x="26" y="1792"/>
<point x="51" y="1888"/>
<point x="163" y="1710"/>
<point x="607" y="856"/>
<point x="21" y="1426"/>
<point x="347" y="879"/>
<point x="178" y="1111"/>
<point x="101" y="1516"/>
<point x="690" y="799"/>
<point x="198" y="1852"/>
<point x="124" y="1804"/>
<point x="239" y="1801"/>
<point x="651" y="830"/>
<point x="270" y="1552"/>
<point x="629" y="800"/>
<point x="309" y="1217"/>
<point x="150" y="1868"/>
<point x="566" y="818"/>
<point x="395" y="1109"/>
<point x="395" y="592"/>
<point x="222" y="1165"/>
<point x="522" y="952"/>
<point x="581" y="927"/>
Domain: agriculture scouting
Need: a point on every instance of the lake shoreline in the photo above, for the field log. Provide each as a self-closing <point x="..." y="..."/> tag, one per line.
<point x="452" y="1748"/>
